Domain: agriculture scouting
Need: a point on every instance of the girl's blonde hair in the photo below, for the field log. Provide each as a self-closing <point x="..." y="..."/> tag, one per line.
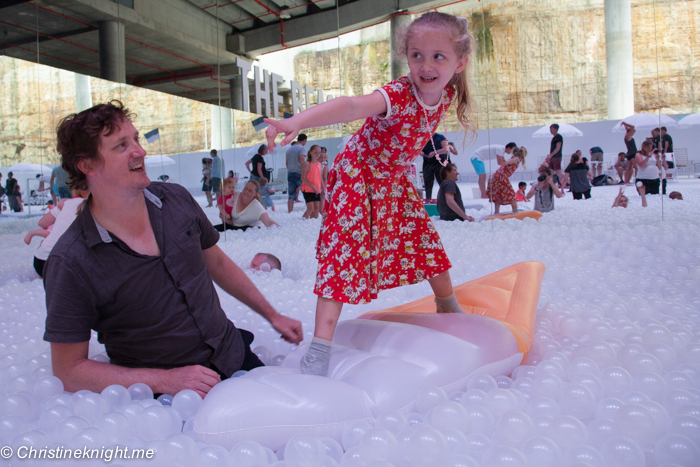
<point x="458" y="29"/>
<point x="520" y="153"/>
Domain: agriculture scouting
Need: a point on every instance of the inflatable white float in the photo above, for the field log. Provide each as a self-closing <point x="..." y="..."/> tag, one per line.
<point x="381" y="362"/>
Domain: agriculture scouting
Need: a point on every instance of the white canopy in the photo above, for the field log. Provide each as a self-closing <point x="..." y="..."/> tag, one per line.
<point x="159" y="161"/>
<point x="565" y="129"/>
<point x="646" y="121"/>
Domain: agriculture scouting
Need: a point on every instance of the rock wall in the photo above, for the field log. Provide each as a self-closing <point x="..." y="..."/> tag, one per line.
<point x="536" y="61"/>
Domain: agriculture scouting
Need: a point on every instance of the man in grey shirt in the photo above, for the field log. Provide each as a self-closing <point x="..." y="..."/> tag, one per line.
<point x="137" y="266"/>
<point x="217" y="173"/>
<point x="295" y="160"/>
<point x="60" y="177"/>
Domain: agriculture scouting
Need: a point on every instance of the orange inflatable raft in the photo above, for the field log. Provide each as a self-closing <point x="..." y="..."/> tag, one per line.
<point x="509" y="295"/>
<point x="520" y="215"/>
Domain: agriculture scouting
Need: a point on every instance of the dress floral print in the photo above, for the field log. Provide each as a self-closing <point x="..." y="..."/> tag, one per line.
<point x="376" y="233"/>
<point x="500" y="190"/>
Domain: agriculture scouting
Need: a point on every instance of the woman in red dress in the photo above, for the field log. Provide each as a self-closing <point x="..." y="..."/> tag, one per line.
<point x="376" y="233"/>
<point x="500" y="190"/>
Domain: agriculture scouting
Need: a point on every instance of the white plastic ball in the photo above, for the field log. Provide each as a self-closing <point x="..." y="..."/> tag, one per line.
<point x="449" y="416"/>
<point x="378" y="444"/>
<point x="542" y="452"/>
<point x="47" y="387"/>
<point x="393" y="421"/>
<point x="247" y="454"/>
<point x="429" y="398"/>
<point x="304" y="450"/>
<point x="177" y="451"/>
<point x="513" y="429"/>
<point x="427" y="447"/>
<point x="504" y="456"/>
<point x="353" y="433"/>
<point x="153" y="423"/>
<point x="622" y="452"/>
<point x="676" y="449"/>
<point x="91" y="407"/>
<point x="567" y="432"/>
<point x="480" y="420"/>
<point x="140" y="391"/>
<point x="577" y="400"/>
<point x="212" y="456"/>
<point x="116" y="396"/>
<point x="187" y="403"/>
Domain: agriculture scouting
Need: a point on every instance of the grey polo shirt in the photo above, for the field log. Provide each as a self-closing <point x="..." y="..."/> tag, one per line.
<point x="148" y="311"/>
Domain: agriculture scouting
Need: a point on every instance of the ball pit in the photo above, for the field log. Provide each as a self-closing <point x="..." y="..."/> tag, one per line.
<point x="613" y="377"/>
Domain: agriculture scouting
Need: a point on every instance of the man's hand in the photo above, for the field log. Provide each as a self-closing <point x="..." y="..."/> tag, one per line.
<point x="196" y="377"/>
<point x="289" y="328"/>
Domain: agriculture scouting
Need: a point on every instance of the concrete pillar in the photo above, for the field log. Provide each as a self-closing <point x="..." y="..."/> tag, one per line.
<point x="83" y="92"/>
<point x="112" y="54"/>
<point x="618" y="49"/>
<point x="221" y="133"/>
<point x="236" y="92"/>
<point x="399" y="68"/>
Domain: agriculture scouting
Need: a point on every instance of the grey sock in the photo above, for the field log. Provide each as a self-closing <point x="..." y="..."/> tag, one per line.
<point x="447" y="304"/>
<point x="317" y="358"/>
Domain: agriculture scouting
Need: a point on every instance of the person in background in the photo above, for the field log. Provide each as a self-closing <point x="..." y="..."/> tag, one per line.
<point x="544" y="191"/>
<point x="59" y="180"/>
<point x="312" y="183"/>
<point x="649" y="165"/>
<point x="225" y="205"/>
<point x="230" y="174"/>
<point x="435" y="153"/>
<point x="265" y="194"/>
<point x="666" y="145"/>
<point x="578" y="176"/>
<point x="493" y="151"/>
<point x="164" y="178"/>
<point x="247" y="210"/>
<point x="206" y="180"/>
<point x="520" y="194"/>
<point x="631" y="152"/>
<point x="500" y="190"/>
<point x="620" y="200"/>
<point x="216" y="173"/>
<point x="259" y="169"/>
<point x="324" y="178"/>
<point x="553" y="159"/>
<point x="265" y="262"/>
<point x="596" y="161"/>
<point x="656" y="138"/>
<point x="55" y="223"/>
<point x="449" y="198"/>
<point x="620" y="166"/>
<point x="14" y="196"/>
<point x="295" y="160"/>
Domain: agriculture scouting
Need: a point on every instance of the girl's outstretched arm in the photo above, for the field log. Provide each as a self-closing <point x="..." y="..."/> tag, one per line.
<point x="337" y="110"/>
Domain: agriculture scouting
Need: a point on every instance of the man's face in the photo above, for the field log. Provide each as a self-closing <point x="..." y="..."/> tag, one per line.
<point x="122" y="165"/>
<point x="663" y="132"/>
<point x="654" y="133"/>
<point x="553" y="130"/>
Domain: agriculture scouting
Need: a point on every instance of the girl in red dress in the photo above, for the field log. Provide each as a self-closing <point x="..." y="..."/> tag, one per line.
<point x="376" y="233"/>
<point x="500" y="190"/>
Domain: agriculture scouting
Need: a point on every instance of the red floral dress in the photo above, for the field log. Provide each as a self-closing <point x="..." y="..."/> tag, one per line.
<point x="500" y="190"/>
<point x="376" y="233"/>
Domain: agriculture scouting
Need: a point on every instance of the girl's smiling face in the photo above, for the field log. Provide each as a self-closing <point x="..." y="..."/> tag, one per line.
<point x="432" y="61"/>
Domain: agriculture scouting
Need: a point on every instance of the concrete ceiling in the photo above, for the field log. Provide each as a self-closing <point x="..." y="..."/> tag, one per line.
<point x="182" y="47"/>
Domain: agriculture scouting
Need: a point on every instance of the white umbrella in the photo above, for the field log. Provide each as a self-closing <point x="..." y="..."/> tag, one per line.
<point x="159" y="161"/>
<point x="564" y="129"/>
<point x="646" y="121"/>
<point x="26" y="167"/>
<point x="689" y="120"/>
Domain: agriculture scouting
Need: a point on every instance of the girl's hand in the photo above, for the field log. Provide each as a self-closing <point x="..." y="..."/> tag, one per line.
<point x="280" y="126"/>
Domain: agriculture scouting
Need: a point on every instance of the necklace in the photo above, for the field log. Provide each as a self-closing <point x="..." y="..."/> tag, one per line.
<point x="441" y="109"/>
